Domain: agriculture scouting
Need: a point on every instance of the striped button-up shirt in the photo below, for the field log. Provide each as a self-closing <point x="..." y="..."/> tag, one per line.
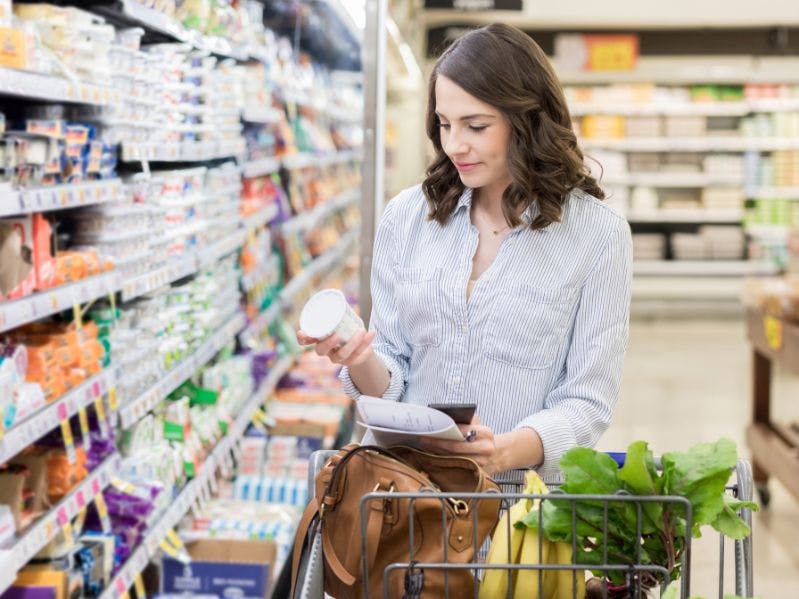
<point x="539" y="343"/>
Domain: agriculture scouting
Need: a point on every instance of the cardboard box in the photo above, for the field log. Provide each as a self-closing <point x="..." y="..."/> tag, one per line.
<point x="222" y="568"/>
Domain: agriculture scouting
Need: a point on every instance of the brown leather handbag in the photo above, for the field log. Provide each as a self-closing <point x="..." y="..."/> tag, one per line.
<point x="444" y="530"/>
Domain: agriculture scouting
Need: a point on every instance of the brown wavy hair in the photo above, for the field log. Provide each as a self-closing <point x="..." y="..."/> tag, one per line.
<point x="502" y="66"/>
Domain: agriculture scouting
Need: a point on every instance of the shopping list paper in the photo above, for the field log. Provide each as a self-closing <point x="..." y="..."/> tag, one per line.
<point x="394" y="423"/>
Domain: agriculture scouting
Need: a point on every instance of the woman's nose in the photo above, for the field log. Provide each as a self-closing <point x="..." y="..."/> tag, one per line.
<point x="455" y="144"/>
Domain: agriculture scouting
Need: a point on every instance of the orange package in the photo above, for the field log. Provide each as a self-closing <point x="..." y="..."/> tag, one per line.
<point x="62" y="476"/>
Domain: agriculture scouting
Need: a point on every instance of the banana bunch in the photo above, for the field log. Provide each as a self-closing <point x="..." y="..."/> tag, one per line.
<point x="521" y="546"/>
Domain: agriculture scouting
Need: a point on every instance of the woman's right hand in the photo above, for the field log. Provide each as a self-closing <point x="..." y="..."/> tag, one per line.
<point x="356" y="351"/>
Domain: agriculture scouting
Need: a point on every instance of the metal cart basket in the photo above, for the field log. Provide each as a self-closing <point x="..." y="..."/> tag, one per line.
<point x="311" y="584"/>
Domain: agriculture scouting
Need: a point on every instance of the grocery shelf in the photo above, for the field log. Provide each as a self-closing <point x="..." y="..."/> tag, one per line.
<point x="24" y="548"/>
<point x="261" y="115"/>
<point x="321" y="264"/>
<point x="259" y="219"/>
<point x="774" y="232"/>
<point x="694" y="144"/>
<point x="675" y="109"/>
<point x="325" y="262"/>
<point x="54" y="89"/>
<point x="703" y="268"/>
<point x="185" y="151"/>
<point x="773" y="193"/>
<point x="306" y="159"/>
<point x="687" y="216"/>
<point x="192" y="491"/>
<point x="260" y="167"/>
<point x="261" y="322"/>
<point x="731" y="108"/>
<point x="673" y="180"/>
<point x="15" y="313"/>
<point x="38" y="424"/>
<point x="309" y="220"/>
<point x="59" y="197"/>
<point x="690" y="70"/>
<point x="182" y="266"/>
<point x="219" y="248"/>
<point x="131" y="411"/>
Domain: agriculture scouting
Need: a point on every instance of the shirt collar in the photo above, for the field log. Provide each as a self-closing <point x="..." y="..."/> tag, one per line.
<point x="465" y="201"/>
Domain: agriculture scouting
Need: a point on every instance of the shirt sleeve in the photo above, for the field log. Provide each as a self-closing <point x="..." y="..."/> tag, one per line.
<point x="389" y="345"/>
<point x="578" y="410"/>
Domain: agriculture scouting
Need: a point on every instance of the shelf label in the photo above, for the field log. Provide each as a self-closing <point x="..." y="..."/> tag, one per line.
<point x="69" y="442"/>
<point x="138" y="584"/>
<point x="772" y="328"/>
<point x="84" y="427"/>
<point x="122" y="589"/>
<point x="102" y="511"/>
<point x="113" y="404"/>
<point x="99" y="407"/>
<point x="80" y="499"/>
<point x="79" y="521"/>
<point x="68" y="534"/>
<point x="123" y="486"/>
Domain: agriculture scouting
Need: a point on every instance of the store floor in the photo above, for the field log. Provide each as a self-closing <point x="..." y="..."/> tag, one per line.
<point x="687" y="382"/>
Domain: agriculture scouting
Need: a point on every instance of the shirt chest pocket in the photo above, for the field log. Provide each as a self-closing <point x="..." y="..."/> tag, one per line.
<point x="419" y="305"/>
<point x="528" y="326"/>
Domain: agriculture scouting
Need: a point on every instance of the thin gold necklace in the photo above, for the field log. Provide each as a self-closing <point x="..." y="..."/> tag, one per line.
<point x="494" y="231"/>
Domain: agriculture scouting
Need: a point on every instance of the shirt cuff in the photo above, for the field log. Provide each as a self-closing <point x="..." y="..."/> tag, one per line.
<point x="557" y="437"/>
<point x="396" y="386"/>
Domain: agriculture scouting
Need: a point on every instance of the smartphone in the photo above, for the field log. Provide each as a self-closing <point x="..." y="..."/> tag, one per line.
<point x="461" y="413"/>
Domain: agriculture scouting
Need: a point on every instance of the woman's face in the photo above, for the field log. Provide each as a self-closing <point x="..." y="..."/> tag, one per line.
<point x="475" y="137"/>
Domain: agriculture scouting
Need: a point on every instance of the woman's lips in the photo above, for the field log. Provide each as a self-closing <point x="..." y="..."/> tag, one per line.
<point x="465" y="167"/>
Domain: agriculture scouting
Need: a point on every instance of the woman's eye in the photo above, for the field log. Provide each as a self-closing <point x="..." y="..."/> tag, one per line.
<point x="444" y="125"/>
<point x="478" y="128"/>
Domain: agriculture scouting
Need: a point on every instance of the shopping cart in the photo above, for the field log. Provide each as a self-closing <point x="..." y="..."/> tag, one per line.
<point x="311" y="583"/>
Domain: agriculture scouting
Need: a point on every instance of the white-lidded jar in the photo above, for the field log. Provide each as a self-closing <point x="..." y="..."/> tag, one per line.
<point x="328" y="312"/>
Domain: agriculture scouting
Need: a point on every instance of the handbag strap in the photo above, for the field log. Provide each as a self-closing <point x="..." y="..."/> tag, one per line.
<point x="308" y="521"/>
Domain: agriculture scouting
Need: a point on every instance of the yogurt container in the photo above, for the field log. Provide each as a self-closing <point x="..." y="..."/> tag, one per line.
<point x="328" y="312"/>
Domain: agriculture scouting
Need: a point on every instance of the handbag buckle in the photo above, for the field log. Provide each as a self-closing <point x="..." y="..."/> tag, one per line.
<point x="459" y="506"/>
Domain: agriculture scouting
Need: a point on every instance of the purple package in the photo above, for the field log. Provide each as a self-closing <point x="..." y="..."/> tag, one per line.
<point x="31" y="592"/>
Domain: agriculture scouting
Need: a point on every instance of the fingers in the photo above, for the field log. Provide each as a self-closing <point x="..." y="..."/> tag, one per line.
<point x="352" y="351"/>
<point x="304" y="339"/>
<point x="326" y="346"/>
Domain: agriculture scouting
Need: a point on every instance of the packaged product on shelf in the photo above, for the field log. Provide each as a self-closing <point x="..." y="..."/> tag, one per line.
<point x="230" y="519"/>
<point x="221" y="566"/>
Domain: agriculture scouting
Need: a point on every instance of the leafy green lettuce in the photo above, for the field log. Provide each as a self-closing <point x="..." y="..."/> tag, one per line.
<point x="644" y="532"/>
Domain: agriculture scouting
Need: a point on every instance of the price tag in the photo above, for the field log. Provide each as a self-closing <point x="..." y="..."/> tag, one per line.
<point x="113" y="404"/>
<point x="99" y="407"/>
<point x="123" y="485"/>
<point x="121" y="589"/>
<point x="102" y="512"/>
<point x="772" y="328"/>
<point x="168" y="548"/>
<point x="68" y="534"/>
<point x="138" y="584"/>
<point x="84" y="427"/>
<point x="80" y="500"/>
<point x="77" y="316"/>
<point x="69" y="442"/>
<point x="174" y="538"/>
<point x="79" y="521"/>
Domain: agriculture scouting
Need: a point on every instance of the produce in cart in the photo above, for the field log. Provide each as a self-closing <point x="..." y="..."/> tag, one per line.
<point x="653" y="534"/>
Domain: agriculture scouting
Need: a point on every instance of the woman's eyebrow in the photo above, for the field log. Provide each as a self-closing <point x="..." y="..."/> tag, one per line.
<point x="469" y="117"/>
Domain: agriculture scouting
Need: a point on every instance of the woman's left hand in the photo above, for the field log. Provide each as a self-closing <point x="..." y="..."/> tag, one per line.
<point x="480" y="445"/>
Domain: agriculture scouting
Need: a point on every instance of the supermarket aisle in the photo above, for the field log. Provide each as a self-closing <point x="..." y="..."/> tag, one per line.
<point x="688" y="382"/>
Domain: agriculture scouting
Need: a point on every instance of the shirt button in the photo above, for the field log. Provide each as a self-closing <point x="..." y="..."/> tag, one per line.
<point x="456" y="380"/>
<point x="464" y="328"/>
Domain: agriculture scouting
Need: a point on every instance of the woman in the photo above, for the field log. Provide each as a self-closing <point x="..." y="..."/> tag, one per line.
<point x="503" y="279"/>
